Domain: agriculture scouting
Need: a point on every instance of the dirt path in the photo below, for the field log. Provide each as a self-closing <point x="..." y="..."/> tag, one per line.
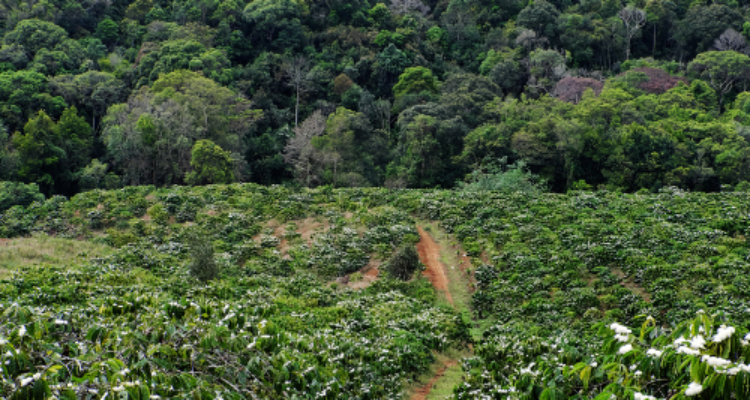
<point x="424" y="391"/>
<point x="429" y="254"/>
<point x="447" y="269"/>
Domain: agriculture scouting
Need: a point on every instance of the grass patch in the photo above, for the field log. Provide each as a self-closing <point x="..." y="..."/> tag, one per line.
<point x="443" y="388"/>
<point x="43" y="249"/>
<point x="452" y="376"/>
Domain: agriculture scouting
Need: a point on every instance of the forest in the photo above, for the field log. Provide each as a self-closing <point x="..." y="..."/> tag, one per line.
<point x="363" y="199"/>
<point x="643" y="95"/>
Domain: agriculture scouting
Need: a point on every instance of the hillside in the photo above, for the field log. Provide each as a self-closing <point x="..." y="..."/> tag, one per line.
<point x="582" y="295"/>
<point x="399" y="93"/>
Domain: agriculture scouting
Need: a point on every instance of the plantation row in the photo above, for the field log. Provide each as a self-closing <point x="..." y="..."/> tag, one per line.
<point x="135" y="322"/>
<point x="557" y="271"/>
<point x="585" y="295"/>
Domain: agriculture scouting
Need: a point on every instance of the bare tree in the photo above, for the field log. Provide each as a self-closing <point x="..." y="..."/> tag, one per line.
<point x="401" y="7"/>
<point x="731" y="40"/>
<point x="634" y="19"/>
<point x="300" y="152"/>
<point x="529" y="39"/>
<point x="297" y="70"/>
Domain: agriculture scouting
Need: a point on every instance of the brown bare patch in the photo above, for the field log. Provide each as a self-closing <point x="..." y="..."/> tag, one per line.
<point x="284" y="249"/>
<point x="424" y="391"/>
<point x="369" y="275"/>
<point x="308" y="227"/>
<point x="429" y="254"/>
<point x="273" y="224"/>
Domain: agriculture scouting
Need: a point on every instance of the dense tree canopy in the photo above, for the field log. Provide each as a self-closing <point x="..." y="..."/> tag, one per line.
<point x="415" y="93"/>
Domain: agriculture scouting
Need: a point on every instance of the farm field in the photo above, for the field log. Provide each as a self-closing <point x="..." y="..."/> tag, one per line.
<point x="583" y="295"/>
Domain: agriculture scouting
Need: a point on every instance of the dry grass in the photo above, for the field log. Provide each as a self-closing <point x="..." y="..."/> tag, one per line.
<point x="43" y="249"/>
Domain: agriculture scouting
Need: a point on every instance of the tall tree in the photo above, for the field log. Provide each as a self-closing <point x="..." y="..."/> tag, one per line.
<point x="40" y="152"/>
<point x="297" y="70"/>
<point x="300" y="153"/>
<point x="633" y="19"/>
<point x="34" y="34"/>
<point x="422" y="149"/>
<point x="402" y="7"/>
<point x="151" y="136"/>
<point x="415" y="80"/>
<point x="273" y="17"/>
<point x="702" y="25"/>
<point x="210" y="164"/>
<point x="722" y="70"/>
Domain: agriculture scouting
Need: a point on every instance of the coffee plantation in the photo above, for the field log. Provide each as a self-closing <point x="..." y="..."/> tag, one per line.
<point x="580" y="295"/>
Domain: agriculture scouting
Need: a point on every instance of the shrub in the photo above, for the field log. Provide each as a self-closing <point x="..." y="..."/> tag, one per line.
<point x="203" y="267"/>
<point x="404" y="263"/>
<point x="18" y="194"/>
<point x="157" y="213"/>
<point x="743" y="186"/>
<point x="504" y="178"/>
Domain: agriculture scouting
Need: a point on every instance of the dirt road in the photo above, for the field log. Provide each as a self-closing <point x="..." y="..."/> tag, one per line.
<point x="429" y="254"/>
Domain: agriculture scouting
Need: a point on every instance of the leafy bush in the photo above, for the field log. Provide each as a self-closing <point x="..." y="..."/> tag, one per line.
<point x="202" y="264"/>
<point x="404" y="263"/>
<point x="18" y="194"/>
<point x="504" y="178"/>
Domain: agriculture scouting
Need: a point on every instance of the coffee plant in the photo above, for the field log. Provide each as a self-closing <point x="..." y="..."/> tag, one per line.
<point x="581" y="295"/>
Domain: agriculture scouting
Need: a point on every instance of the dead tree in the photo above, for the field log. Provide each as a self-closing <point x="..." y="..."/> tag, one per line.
<point x="634" y="19"/>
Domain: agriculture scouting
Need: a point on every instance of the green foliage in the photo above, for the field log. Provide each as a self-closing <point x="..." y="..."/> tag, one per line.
<point x="504" y="178"/>
<point x="250" y="313"/>
<point x="161" y="126"/>
<point x="722" y="70"/>
<point x="404" y="263"/>
<point x="39" y="150"/>
<point x="107" y="31"/>
<point x="23" y="94"/>
<point x="211" y="164"/>
<point x="33" y="35"/>
<point x="415" y="80"/>
<point x="482" y="69"/>
<point x="202" y="265"/>
<point x="18" y="194"/>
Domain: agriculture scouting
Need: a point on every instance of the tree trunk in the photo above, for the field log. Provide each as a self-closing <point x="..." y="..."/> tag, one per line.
<point x="335" y="174"/>
<point x="296" y="109"/>
<point x="307" y="178"/>
<point x="627" y="50"/>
